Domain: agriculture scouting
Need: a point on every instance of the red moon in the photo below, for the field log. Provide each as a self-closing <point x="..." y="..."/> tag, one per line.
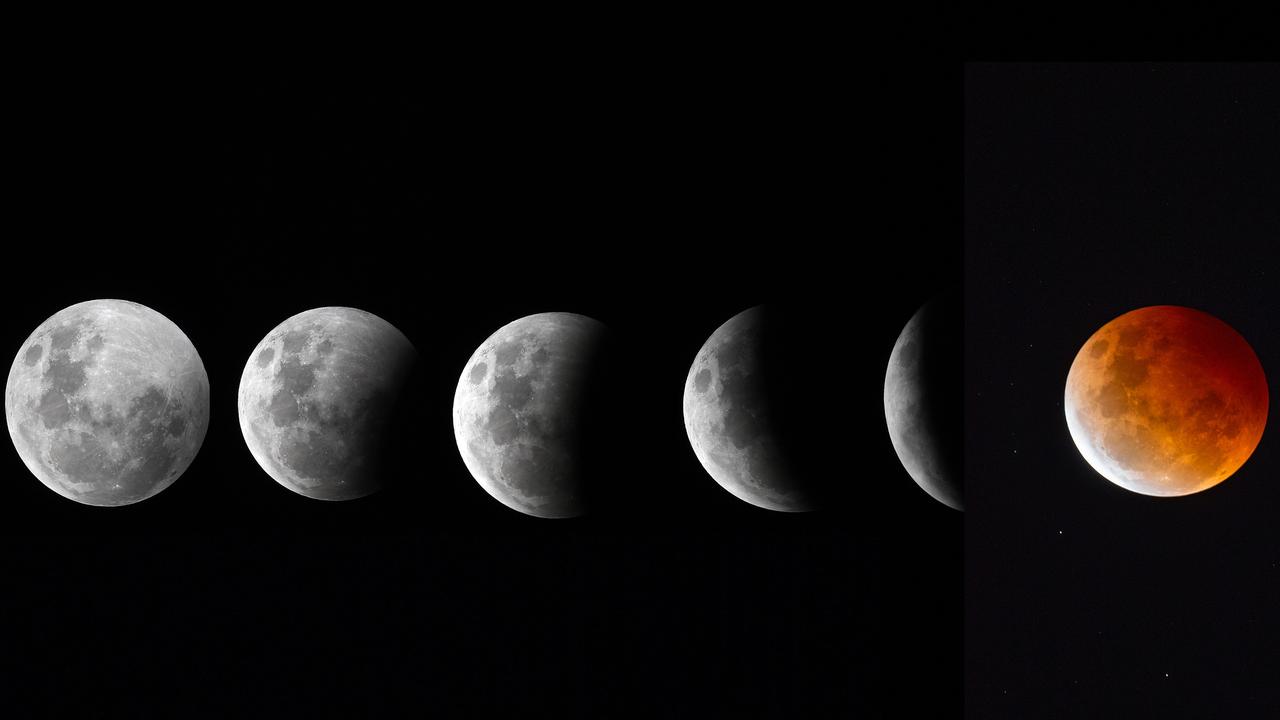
<point x="1166" y="401"/>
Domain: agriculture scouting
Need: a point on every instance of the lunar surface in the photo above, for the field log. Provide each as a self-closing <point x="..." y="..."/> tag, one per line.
<point x="519" y="413"/>
<point x="728" y="417"/>
<point x="921" y="401"/>
<point x="1166" y="401"/>
<point x="317" y="398"/>
<point x="107" y="402"/>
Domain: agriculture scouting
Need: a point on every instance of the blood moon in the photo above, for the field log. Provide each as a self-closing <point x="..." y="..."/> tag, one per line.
<point x="1166" y="401"/>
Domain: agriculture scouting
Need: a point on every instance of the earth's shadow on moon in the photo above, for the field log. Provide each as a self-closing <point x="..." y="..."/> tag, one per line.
<point x="608" y="438"/>
<point x="400" y="448"/>
<point x="804" y="396"/>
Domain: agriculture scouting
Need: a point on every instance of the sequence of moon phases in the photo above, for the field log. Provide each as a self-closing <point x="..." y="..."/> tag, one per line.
<point x="521" y="412"/>
<point x="1166" y="401"/>
<point x="317" y="399"/>
<point x="732" y="418"/>
<point x="923" y="399"/>
<point x="107" y="402"/>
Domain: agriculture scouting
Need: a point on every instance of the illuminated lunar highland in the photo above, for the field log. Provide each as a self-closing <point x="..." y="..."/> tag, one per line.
<point x="107" y="402"/>
<point x="1166" y="401"/>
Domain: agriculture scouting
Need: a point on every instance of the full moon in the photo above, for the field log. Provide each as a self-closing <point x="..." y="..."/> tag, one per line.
<point x="317" y="398"/>
<point x="107" y="402"/>
<point x="731" y="420"/>
<point x="520" y="412"/>
<point x="922" y="400"/>
<point x="1166" y="401"/>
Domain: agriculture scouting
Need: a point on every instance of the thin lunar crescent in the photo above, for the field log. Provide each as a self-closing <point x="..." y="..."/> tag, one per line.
<point x="921" y="401"/>
<point x="107" y="402"/>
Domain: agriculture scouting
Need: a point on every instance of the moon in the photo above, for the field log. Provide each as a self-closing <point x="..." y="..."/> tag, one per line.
<point x="922" y="400"/>
<point x="520" y="412"/>
<point x="729" y="418"/>
<point x="107" y="402"/>
<point x="317" y="397"/>
<point x="1166" y="401"/>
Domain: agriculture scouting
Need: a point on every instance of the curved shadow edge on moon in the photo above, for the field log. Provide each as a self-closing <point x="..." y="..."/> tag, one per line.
<point x="316" y="399"/>
<point x="107" y="402"/>
<point x="923" y="374"/>
<point x="519" y="412"/>
<point x="728" y="420"/>
<point x="1166" y="401"/>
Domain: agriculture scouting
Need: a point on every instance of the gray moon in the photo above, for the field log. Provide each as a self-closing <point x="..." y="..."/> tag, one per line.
<point x="107" y="402"/>
<point x="516" y="412"/>
<point x="920" y="379"/>
<point x="727" y="418"/>
<point x="316" y="398"/>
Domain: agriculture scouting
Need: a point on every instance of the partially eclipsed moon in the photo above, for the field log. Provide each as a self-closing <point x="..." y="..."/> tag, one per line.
<point x="520" y="412"/>
<point x="731" y="420"/>
<point x="317" y="397"/>
<point x="1166" y="401"/>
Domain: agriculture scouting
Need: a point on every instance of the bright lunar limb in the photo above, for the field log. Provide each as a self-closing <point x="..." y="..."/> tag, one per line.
<point x="1166" y="401"/>
<point x="731" y="424"/>
<point x="520" y="412"/>
<point x="922" y="401"/>
<point x="317" y="398"/>
<point x="107" y="402"/>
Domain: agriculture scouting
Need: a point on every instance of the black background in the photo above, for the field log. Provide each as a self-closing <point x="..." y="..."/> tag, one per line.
<point x="1092" y="190"/>
<point x="450" y="200"/>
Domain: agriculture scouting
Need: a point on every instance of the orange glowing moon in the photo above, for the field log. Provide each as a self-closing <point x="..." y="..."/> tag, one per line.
<point x="1166" y="401"/>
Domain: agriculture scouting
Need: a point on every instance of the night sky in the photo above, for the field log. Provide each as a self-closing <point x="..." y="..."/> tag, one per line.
<point x="1092" y="190"/>
<point x="659" y="200"/>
